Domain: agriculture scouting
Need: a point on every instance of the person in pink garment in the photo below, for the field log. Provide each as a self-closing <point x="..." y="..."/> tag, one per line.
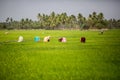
<point x="62" y="39"/>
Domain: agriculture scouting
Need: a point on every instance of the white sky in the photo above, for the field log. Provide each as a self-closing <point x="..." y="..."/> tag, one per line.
<point x="18" y="9"/>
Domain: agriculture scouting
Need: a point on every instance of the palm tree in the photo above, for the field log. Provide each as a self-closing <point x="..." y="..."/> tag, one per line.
<point x="100" y="16"/>
<point x="52" y="20"/>
<point x="8" y="23"/>
<point x="22" y="23"/>
<point x="7" y="20"/>
<point x="39" y="16"/>
<point x="73" y="21"/>
<point x="11" y="20"/>
<point x="94" y="15"/>
<point x="52" y="14"/>
<point x="81" y="21"/>
<point x="101" y="22"/>
<point x="61" y="19"/>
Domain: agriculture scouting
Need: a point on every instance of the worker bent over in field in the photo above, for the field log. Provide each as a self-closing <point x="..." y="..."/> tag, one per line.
<point x="83" y="39"/>
<point x="63" y="39"/>
<point x="47" y="39"/>
<point x="20" y="39"/>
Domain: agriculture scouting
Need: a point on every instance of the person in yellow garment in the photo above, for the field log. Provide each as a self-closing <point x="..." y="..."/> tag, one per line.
<point x="47" y="39"/>
<point x="20" y="39"/>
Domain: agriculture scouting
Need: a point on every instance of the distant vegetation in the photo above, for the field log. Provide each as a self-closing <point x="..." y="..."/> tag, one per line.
<point x="62" y="21"/>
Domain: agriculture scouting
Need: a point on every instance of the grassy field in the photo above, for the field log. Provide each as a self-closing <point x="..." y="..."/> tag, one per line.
<point x="97" y="59"/>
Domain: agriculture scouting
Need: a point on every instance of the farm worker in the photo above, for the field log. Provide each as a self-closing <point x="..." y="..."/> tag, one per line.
<point x="83" y="39"/>
<point x="101" y="31"/>
<point x="46" y="39"/>
<point x="60" y="39"/>
<point x="20" y="39"/>
<point x="37" y="39"/>
<point x="6" y="32"/>
<point x="63" y="39"/>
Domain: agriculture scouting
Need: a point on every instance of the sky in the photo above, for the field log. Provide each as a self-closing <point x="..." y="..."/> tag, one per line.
<point x="18" y="9"/>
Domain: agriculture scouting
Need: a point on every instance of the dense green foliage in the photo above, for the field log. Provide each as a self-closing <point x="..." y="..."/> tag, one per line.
<point x="97" y="59"/>
<point x="62" y="21"/>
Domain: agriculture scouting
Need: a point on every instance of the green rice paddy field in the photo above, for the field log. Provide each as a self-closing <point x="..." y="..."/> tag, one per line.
<point x="97" y="59"/>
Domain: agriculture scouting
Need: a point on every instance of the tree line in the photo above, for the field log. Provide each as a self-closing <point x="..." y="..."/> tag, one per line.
<point x="62" y="21"/>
